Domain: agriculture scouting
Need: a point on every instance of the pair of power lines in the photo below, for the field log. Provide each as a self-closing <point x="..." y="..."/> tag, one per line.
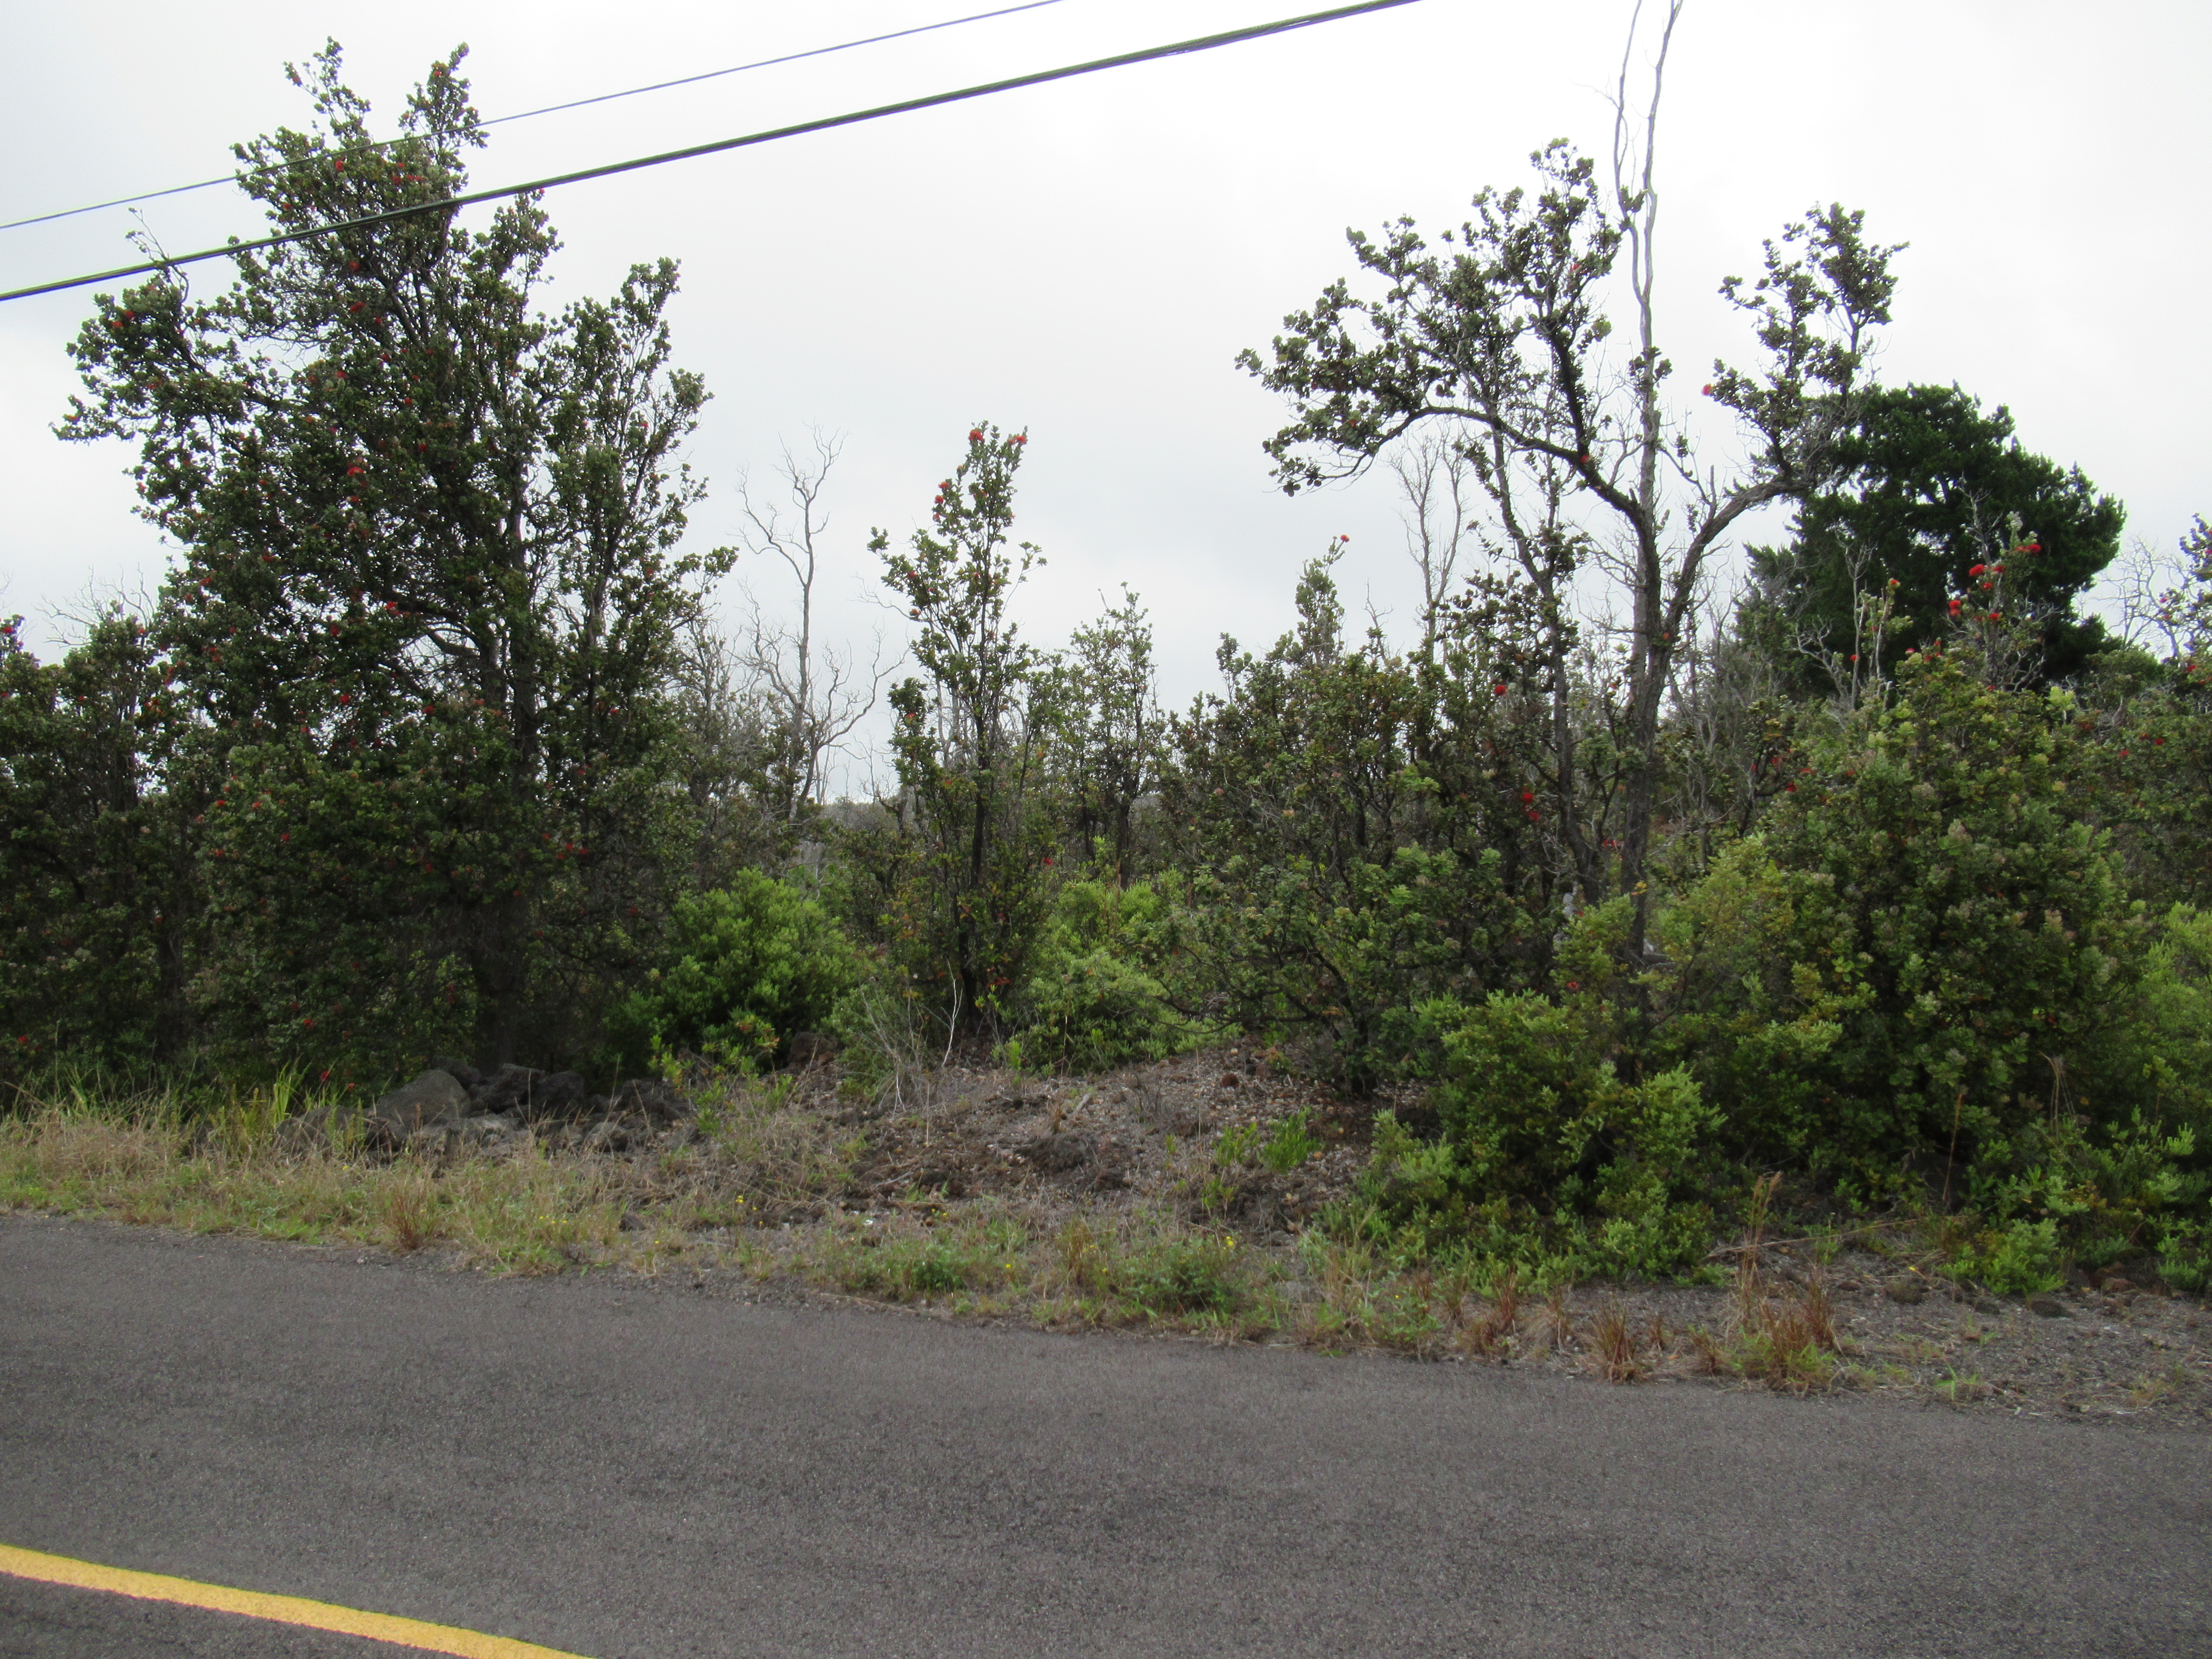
<point x="1180" y="48"/>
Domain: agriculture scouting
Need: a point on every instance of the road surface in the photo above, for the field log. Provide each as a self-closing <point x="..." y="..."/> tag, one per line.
<point x="627" y="1471"/>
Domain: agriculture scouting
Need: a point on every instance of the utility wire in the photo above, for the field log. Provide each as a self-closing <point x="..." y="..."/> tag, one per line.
<point x="555" y="109"/>
<point x="1203" y="43"/>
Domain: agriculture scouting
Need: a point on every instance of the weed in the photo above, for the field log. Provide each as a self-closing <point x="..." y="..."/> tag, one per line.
<point x="1787" y="1341"/>
<point x="2155" y="1386"/>
<point x="1917" y="1350"/>
<point x="410" y="1213"/>
<point x="1712" y="1356"/>
<point x="1558" y="1319"/>
<point x="1182" y="1276"/>
<point x="1236" y="1146"/>
<point x="1291" y="1145"/>
<point x="1500" y="1323"/>
<point x="1616" y="1343"/>
<point x="1958" y="1388"/>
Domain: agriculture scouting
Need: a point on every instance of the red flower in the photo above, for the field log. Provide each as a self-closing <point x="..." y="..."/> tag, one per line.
<point x="1021" y="437"/>
<point x="1709" y="390"/>
<point x="1499" y="689"/>
<point x="1977" y="571"/>
<point x="976" y="434"/>
<point x="1526" y="796"/>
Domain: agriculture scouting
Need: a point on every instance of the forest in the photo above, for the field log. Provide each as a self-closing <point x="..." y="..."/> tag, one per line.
<point x="1645" y="876"/>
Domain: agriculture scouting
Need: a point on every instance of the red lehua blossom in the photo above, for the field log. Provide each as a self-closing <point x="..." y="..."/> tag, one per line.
<point x="1498" y="689"/>
<point x="1709" y="390"/>
<point x="976" y="434"/>
<point x="1977" y="571"/>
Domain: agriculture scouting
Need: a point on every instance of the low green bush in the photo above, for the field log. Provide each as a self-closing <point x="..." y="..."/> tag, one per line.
<point x="747" y="966"/>
<point x="1099" y="999"/>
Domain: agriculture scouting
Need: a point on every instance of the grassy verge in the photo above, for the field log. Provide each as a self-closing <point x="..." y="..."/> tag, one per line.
<point x="755" y="1192"/>
<point x="782" y="1194"/>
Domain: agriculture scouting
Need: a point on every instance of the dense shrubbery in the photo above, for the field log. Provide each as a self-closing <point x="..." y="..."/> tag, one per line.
<point x="1896" y="882"/>
<point x="748" y="967"/>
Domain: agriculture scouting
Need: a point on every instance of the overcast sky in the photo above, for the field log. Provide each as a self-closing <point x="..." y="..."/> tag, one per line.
<point x="1085" y="259"/>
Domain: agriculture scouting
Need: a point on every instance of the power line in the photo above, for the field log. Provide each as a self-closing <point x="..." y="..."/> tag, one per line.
<point x="1203" y="43"/>
<point x="556" y="109"/>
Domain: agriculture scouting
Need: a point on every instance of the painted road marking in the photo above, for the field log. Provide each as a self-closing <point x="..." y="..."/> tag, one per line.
<point x="283" y="1609"/>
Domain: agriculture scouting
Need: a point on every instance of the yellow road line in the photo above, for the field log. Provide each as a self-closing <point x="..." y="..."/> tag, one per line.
<point x="285" y="1609"/>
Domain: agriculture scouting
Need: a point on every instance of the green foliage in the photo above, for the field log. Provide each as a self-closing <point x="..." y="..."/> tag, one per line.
<point x="960" y="882"/>
<point x="1548" y="1152"/>
<point x="1110" y="736"/>
<point x="98" y="844"/>
<point x="426" y="612"/>
<point x="1184" y="1276"/>
<point x="747" y="965"/>
<point x="1099" y="999"/>
<point x="1348" y="856"/>
<point x="1291" y="1145"/>
<point x="2020" y="1257"/>
<point x="1973" y="930"/>
<point x="1925" y="490"/>
<point x="1496" y="334"/>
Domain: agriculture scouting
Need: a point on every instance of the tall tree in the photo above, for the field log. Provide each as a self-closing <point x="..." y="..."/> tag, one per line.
<point x="431" y="580"/>
<point x="975" y="819"/>
<point x="1925" y="486"/>
<point x="101" y="788"/>
<point x="1500" y="337"/>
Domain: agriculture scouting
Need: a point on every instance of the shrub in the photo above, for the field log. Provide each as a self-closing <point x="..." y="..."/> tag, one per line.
<point x="1098" y="1001"/>
<point x="1969" y="929"/>
<point x="747" y="966"/>
<point x="1548" y="1150"/>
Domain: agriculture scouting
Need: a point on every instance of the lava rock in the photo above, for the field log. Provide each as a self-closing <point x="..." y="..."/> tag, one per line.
<point x="1056" y="1154"/>
<point x="462" y="1072"/>
<point x="658" y="1102"/>
<point x="533" y="1097"/>
<point x="2049" y="1307"/>
<point x="1907" y="1291"/>
<point x="433" y="1098"/>
<point x="507" y="1090"/>
<point x="808" y="1049"/>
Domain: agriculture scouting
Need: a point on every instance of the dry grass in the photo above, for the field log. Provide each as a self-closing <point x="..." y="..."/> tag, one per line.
<point x="1618" y="1347"/>
<point x="525" y="1212"/>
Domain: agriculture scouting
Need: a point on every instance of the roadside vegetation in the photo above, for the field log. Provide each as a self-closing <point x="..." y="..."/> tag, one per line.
<point x="1600" y="939"/>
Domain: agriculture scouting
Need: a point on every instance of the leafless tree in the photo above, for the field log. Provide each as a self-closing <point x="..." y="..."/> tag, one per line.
<point x="1437" y="490"/>
<point x="819" y="694"/>
<point x="1498" y="338"/>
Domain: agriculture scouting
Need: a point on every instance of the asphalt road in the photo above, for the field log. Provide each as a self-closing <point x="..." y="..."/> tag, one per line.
<point x="619" y="1470"/>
